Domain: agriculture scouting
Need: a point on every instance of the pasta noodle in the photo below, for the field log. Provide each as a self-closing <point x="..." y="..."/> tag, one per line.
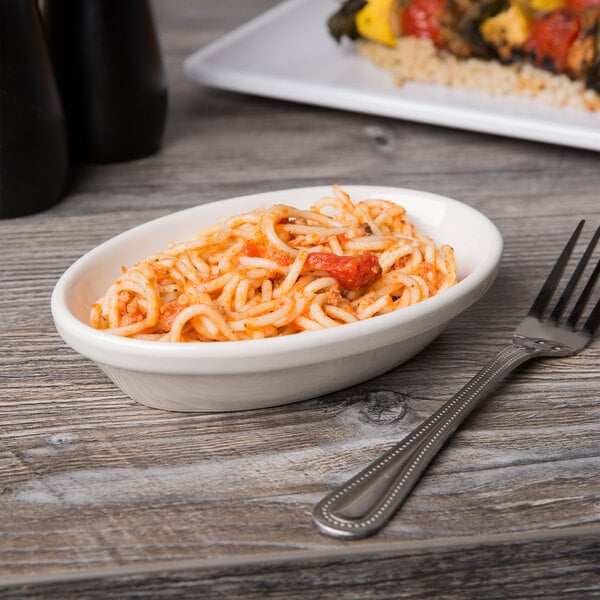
<point x="278" y="271"/>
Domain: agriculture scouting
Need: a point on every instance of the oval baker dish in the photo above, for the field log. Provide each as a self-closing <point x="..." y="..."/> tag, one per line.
<point x="239" y="375"/>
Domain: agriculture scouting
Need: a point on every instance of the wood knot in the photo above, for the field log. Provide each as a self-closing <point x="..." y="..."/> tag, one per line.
<point x="383" y="407"/>
<point x="381" y="137"/>
<point x="60" y="440"/>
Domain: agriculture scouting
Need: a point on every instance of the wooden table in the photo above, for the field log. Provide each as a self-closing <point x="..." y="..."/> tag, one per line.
<point x="103" y="497"/>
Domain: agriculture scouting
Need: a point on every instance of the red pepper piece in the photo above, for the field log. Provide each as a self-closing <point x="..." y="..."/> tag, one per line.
<point x="550" y="38"/>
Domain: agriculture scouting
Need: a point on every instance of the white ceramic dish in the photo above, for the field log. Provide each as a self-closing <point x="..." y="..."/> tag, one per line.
<point x="251" y="374"/>
<point x="287" y="53"/>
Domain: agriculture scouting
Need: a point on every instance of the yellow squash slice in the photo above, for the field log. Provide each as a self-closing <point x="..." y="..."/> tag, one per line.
<point x="376" y="21"/>
<point x="546" y="5"/>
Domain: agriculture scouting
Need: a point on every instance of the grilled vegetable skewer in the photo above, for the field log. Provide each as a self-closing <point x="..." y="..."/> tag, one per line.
<point x="559" y="36"/>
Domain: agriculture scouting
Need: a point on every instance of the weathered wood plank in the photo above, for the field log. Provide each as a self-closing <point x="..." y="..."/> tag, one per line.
<point x="552" y="569"/>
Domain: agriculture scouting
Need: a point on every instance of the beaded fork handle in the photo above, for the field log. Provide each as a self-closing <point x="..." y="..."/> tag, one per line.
<point x="364" y="504"/>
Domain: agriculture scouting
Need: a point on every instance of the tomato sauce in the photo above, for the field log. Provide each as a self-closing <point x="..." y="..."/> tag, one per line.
<point x="169" y="312"/>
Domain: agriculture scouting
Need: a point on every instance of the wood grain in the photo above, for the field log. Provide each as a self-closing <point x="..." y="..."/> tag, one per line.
<point x="96" y="489"/>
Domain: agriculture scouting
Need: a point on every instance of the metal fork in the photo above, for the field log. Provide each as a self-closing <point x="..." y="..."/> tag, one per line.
<point x="364" y="504"/>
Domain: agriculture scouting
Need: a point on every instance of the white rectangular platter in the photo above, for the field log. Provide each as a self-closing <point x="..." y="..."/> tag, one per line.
<point x="287" y="53"/>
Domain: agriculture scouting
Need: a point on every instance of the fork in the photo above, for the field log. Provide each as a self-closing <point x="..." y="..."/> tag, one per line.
<point x="366" y="502"/>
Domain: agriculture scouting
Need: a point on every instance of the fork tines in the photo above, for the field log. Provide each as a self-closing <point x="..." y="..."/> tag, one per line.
<point x="551" y="284"/>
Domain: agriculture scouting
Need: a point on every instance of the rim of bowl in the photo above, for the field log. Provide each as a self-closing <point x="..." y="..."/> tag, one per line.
<point x="248" y="355"/>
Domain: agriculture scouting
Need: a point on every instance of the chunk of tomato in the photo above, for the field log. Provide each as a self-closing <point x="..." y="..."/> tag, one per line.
<point x="582" y="4"/>
<point x="258" y="250"/>
<point x="421" y="18"/>
<point x="351" y="272"/>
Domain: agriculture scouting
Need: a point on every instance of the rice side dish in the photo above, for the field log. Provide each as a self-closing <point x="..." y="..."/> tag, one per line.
<point x="417" y="59"/>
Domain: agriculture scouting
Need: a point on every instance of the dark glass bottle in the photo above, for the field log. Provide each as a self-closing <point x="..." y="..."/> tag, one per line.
<point x="111" y="77"/>
<point x="33" y="140"/>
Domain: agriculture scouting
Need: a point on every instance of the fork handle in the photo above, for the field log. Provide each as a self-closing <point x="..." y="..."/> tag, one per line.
<point x="366" y="502"/>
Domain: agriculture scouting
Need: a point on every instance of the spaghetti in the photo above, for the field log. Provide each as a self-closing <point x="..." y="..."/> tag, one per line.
<point x="278" y="271"/>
